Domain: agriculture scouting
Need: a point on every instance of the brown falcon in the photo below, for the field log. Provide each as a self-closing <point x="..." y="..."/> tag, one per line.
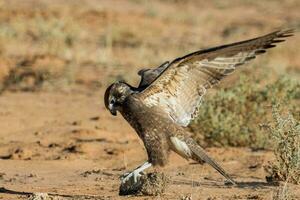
<point x="169" y="96"/>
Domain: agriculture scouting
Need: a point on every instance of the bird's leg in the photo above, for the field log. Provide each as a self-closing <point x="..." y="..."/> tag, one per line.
<point x="135" y="174"/>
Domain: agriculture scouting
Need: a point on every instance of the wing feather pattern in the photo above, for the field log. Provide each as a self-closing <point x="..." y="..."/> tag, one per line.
<point x="180" y="86"/>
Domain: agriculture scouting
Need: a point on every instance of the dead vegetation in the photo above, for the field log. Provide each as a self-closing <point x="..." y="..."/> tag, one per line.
<point x="285" y="132"/>
<point x="283" y="193"/>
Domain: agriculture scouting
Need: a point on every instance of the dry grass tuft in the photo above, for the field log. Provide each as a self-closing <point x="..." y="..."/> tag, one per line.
<point x="285" y="132"/>
<point x="283" y="193"/>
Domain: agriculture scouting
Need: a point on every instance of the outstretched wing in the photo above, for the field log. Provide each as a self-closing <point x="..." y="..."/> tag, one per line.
<point x="149" y="75"/>
<point x="179" y="88"/>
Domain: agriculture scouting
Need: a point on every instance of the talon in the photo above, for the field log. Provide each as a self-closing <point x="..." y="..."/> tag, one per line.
<point x="123" y="176"/>
<point x="132" y="175"/>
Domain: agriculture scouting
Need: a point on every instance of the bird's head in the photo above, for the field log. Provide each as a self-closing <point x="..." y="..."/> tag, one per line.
<point x="115" y="96"/>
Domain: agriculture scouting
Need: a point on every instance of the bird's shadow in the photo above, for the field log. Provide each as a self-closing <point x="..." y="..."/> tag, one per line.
<point x="15" y="192"/>
<point x="218" y="184"/>
<point x="7" y="191"/>
<point x="256" y="184"/>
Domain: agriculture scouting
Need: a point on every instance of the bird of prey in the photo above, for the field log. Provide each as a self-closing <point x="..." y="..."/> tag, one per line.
<point x="168" y="99"/>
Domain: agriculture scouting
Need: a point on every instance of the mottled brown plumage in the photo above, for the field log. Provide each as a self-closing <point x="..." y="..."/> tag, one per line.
<point x="169" y="96"/>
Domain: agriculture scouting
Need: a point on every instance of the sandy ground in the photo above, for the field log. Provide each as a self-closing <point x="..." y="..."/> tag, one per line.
<point x="61" y="141"/>
<point x="67" y="145"/>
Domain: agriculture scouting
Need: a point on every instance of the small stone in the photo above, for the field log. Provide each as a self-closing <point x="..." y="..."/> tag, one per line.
<point x="95" y="118"/>
<point x="38" y="133"/>
<point x="76" y="123"/>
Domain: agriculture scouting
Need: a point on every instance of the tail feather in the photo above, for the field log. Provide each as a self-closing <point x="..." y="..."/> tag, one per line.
<point x="200" y="153"/>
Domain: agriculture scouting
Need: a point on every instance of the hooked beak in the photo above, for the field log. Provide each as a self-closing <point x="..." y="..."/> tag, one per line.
<point x="112" y="109"/>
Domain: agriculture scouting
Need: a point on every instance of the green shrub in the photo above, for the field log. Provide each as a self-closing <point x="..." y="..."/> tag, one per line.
<point x="234" y="116"/>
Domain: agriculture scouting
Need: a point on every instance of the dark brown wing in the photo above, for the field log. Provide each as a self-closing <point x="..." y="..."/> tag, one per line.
<point x="149" y="75"/>
<point x="178" y="90"/>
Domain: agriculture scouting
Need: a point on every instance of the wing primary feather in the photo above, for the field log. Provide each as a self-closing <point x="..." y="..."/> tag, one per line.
<point x="286" y="35"/>
<point x="277" y="41"/>
<point x="261" y="51"/>
<point x="268" y="46"/>
<point x="249" y="58"/>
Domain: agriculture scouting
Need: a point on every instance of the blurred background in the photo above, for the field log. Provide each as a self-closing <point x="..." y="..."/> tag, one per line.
<point x="57" y="58"/>
<point x="91" y="42"/>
